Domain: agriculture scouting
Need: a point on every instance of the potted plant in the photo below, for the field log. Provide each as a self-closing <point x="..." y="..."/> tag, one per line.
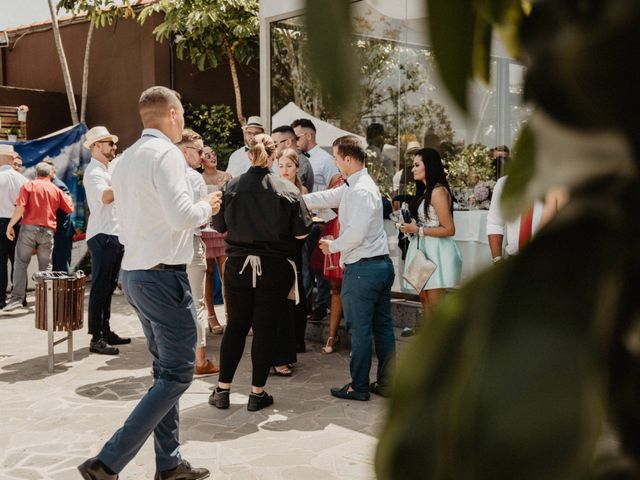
<point x="22" y="113"/>
<point x="12" y="134"/>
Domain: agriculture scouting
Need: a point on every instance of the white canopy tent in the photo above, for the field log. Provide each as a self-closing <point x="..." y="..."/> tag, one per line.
<point x="325" y="132"/>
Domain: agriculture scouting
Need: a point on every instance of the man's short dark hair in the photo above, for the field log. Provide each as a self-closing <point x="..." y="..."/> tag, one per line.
<point x="303" y="123"/>
<point x="285" y="129"/>
<point x="350" y="145"/>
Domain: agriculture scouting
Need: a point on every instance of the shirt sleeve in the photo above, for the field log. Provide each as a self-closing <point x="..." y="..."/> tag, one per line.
<point x="66" y="203"/>
<point x="325" y="198"/>
<point x="301" y="222"/>
<point x="219" y="223"/>
<point x="23" y="196"/>
<point x="495" y="222"/>
<point x="353" y="229"/>
<point x="170" y="178"/>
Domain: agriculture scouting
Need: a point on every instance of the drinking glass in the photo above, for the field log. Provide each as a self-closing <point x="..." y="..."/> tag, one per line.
<point x="328" y="260"/>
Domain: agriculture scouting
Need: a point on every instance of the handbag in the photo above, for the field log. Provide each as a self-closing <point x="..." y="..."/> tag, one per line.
<point x="419" y="270"/>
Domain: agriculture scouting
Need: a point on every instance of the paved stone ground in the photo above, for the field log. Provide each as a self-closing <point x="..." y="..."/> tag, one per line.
<point x="53" y="422"/>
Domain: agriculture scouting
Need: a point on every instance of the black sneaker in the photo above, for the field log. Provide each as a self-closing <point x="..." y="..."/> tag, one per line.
<point x="219" y="398"/>
<point x="184" y="471"/>
<point x="258" y="401"/>
<point x="103" y="348"/>
<point x="115" y="339"/>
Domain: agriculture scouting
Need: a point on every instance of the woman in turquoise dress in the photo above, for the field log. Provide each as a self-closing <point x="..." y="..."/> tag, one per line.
<point x="432" y="228"/>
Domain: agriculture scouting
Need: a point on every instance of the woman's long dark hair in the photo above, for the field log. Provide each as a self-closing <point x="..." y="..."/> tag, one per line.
<point x="435" y="176"/>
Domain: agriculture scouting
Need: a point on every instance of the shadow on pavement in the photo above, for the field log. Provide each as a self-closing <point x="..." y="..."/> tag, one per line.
<point x="36" y="368"/>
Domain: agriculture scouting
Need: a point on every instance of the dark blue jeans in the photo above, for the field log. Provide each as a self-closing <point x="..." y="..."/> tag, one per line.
<point x="61" y="256"/>
<point x="163" y="302"/>
<point x="366" y="300"/>
<point x="106" y="257"/>
<point x="7" y="252"/>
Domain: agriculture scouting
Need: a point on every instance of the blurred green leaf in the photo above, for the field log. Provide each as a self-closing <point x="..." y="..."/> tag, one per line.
<point x="451" y="25"/>
<point x="482" y="49"/>
<point x="508" y="380"/>
<point x="333" y="59"/>
<point x="519" y="173"/>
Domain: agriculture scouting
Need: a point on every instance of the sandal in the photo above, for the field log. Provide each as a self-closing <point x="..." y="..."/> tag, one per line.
<point x="332" y="343"/>
<point x="283" y="372"/>
<point x="214" y="327"/>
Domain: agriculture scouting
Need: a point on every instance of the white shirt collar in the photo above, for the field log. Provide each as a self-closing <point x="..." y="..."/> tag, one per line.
<point x="98" y="162"/>
<point x="154" y="132"/>
<point x="5" y="167"/>
<point x="315" y="150"/>
<point x="353" y="178"/>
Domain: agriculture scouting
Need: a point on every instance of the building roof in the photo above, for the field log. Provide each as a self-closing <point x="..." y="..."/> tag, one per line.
<point x="63" y="21"/>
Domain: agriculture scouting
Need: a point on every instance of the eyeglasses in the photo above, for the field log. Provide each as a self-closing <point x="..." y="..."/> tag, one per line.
<point x="282" y="141"/>
<point x="199" y="150"/>
<point x="111" y="143"/>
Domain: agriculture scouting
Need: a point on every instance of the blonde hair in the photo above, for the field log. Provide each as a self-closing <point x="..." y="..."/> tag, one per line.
<point x="262" y="147"/>
<point x="189" y="136"/>
<point x="292" y="155"/>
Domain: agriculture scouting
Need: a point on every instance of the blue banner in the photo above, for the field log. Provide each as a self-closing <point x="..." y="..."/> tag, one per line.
<point x="64" y="148"/>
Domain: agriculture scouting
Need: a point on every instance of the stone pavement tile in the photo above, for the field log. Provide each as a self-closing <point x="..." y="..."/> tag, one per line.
<point x="53" y="422"/>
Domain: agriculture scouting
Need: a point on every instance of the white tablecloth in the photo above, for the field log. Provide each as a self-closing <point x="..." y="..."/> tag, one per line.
<point x="471" y="238"/>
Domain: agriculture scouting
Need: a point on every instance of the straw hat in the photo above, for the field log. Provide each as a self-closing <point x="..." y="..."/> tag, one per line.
<point x="97" y="134"/>
<point x="8" y="150"/>
<point x="254" y="122"/>
<point x="413" y="147"/>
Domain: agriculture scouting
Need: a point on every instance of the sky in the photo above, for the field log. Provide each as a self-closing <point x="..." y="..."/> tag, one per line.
<point x="19" y="12"/>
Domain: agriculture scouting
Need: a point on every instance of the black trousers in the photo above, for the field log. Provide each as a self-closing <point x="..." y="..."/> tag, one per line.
<point x="7" y="252"/>
<point x="261" y="307"/>
<point x="106" y="257"/>
<point x="61" y="256"/>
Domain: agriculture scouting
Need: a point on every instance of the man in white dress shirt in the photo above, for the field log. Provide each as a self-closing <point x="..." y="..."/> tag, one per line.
<point x="368" y="271"/>
<point x="102" y="240"/>
<point x="192" y="147"/>
<point x="324" y="173"/>
<point x="518" y="232"/>
<point x="239" y="160"/>
<point x="10" y="183"/>
<point x="157" y="216"/>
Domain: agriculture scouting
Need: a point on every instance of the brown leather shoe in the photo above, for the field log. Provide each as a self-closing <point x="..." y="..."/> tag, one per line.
<point x="207" y="369"/>
<point x="184" y="471"/>
<point x="93" y="469"/>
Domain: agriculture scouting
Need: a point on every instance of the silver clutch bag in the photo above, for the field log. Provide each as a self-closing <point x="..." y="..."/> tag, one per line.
<point x="419" y="271"/>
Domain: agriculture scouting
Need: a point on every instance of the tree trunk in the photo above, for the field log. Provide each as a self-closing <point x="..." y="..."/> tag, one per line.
<point x="63" y="63"/>
<point x="236" y="84"/>
<point x="85" y="75"/>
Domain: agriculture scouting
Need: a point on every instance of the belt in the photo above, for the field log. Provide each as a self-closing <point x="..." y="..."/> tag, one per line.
<point x="377" y="257"/>
<point x="170" y="268"/>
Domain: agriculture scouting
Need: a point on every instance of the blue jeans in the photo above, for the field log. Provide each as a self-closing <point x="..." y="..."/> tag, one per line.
<point x="366" y="300"/>
<point x="163" y="302"/>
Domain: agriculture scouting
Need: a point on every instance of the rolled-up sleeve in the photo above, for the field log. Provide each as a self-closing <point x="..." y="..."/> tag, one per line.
<point x="495" y="221"/>
<point x="170" y="178"/>
<point x="325" y="198"/>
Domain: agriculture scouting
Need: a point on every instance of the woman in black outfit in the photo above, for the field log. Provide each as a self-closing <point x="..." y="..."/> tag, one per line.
<point x="262" y="215"/>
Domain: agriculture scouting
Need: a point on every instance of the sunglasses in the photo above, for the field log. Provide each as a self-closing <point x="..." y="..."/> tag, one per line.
<point x="199" y="150"/>
<point x="111" y="143"/>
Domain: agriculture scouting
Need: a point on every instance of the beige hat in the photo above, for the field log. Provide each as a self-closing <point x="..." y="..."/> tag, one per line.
<point x="96" y="134"/>
<point x="413" y="147"/>
<point x="254" y="122"/>
<point x="8" y="150"/>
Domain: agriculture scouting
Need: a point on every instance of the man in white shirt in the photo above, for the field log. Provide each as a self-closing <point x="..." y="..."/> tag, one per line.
<point x="10" y="183"/>
<point x="192" y="147"/>
<point x="325" y="173"/>
<point x="102" y="240"/>
<point x="157" y="216"/>
<point x="368" y="271"/>
<point x="518" y="232"/>
<point x="239" y="160"/>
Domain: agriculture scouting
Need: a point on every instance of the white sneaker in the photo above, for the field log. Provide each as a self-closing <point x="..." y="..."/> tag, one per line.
<point x="12" y="305"/>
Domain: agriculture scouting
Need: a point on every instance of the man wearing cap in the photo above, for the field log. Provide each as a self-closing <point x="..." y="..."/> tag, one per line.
<point x="10" y="183"/>
<point x="102" y="240"/>
<point x="239" y="160"/>
<point x="37" y="204"/>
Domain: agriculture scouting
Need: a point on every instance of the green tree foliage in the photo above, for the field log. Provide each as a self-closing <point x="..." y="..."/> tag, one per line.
<point x="215" y="123"/>
<point x="208" y="32"/>
<point x="518" y="374"/>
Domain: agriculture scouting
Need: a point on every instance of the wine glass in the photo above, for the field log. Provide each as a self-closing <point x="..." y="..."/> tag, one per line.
<point x="328" y="260"/>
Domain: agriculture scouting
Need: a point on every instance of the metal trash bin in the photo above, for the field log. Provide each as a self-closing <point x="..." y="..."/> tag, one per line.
<point x="59" y="306"/>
